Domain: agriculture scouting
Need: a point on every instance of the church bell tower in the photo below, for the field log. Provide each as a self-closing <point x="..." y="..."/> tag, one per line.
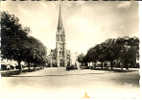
<point x="60" y="42"/>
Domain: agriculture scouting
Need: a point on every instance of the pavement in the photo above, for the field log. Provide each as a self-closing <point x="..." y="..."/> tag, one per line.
<point x="59" y="84"/>
<point x="59" y="72"/>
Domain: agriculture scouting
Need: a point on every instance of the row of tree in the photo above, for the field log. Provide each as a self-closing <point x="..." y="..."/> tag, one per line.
<point x="18" y="45"/>
<point x="120" y="52"/>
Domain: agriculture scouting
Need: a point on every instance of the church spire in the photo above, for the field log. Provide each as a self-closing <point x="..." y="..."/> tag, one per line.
<point x="60" y="22"/>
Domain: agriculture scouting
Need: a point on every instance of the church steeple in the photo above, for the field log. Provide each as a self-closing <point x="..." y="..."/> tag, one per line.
<point x="60" y="26"/>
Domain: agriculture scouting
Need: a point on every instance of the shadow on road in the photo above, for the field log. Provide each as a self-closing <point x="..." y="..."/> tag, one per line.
<point x="52" y="75"/>
<point x="115" y="70"/>
<point x="128" y="78"/>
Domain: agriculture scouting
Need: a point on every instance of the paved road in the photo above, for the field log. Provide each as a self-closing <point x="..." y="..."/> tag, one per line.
<point x="58" y="84"/>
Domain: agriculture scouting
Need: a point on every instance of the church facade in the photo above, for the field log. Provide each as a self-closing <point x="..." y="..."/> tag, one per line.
<point x="60" y="56"/>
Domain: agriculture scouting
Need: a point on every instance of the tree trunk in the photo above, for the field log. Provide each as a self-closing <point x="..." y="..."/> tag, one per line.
<point x="19" y="66"/>
<point x="111" y="65"/>
<point x="29" y="67"/>
<point x="127" y="67"/>
<point x="118" y="63"/>
<point x="121" y="67"/>
<point x="94" y="65"/>
<point x="34" y="68"/>
<point x="102" y="65"/>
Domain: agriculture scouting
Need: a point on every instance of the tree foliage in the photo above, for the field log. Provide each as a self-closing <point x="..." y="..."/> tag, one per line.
<point x="124" y="50"/>
<point x="80" y="58"/>
<point x="17" y="44"/>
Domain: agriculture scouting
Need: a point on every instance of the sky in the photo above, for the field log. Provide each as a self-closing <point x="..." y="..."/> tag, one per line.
<point x="86" y="23"/>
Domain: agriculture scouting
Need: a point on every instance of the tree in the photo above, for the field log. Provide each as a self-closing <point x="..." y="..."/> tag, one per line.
<point x="91" y="56"/>
<point x="17" y="44"/>
<point x="123" y="50"/>
<point x="12" y="35"/>
<point x="112" y="51"/>
<point x="80" y="58"/>
<point x="130" y="52"/>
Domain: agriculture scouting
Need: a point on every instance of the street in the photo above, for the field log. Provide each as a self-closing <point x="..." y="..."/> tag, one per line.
<point x="58" y="84"/>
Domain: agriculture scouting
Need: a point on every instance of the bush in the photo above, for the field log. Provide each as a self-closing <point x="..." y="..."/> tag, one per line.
<point x="84" y="67"/>
<point x="3" y="67"/>
<point x="11" y="67"/>
<point x="72" y="67"/>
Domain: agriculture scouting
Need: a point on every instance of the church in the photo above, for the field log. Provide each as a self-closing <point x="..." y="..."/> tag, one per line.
<point x="60" y="56"/>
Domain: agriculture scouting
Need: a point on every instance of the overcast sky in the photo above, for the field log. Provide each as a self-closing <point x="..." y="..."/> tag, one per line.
<point x="85" y="23"/>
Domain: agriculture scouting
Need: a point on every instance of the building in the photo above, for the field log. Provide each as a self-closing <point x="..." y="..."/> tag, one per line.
<point x="60" y="56"/>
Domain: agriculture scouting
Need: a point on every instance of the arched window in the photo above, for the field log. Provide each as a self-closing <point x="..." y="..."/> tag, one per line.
<point x="60" y="52"/>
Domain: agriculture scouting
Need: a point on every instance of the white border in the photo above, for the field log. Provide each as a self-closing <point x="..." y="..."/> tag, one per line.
<point x="140" y="36"/>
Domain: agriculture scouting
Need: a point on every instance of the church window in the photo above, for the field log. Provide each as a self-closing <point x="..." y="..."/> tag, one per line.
<point x="60" y="52"/>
